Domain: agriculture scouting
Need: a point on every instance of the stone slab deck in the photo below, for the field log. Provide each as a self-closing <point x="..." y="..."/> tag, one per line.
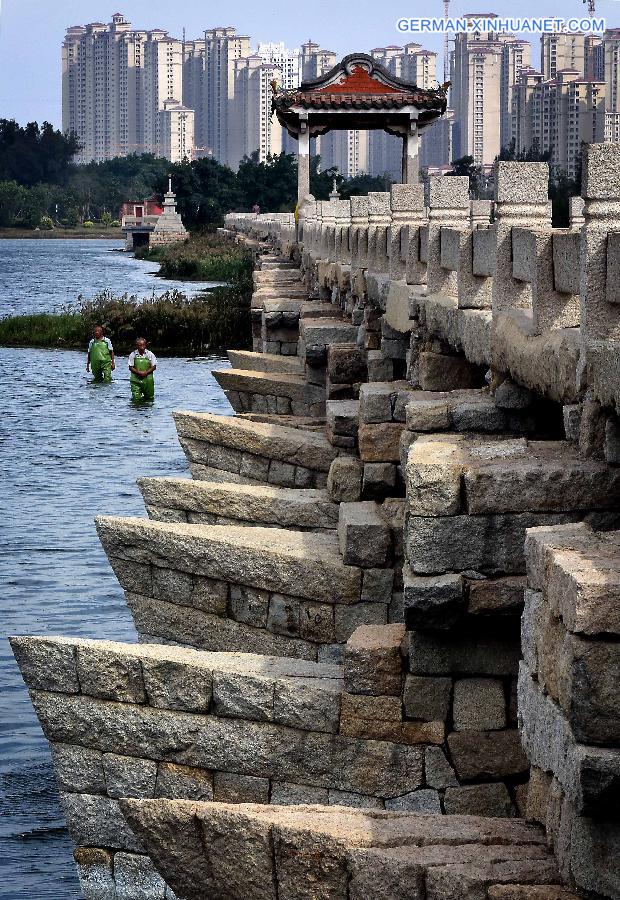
<point x="247" y="451"/>
<point x="231" y="587"/>
<point x="271" y="392"/>
<point x="457" y="473"/>
<point x="307" y="852"/>
<point x="212" y="503"/>
<point x="265" y="362"/>
<point x="127" y="720"/>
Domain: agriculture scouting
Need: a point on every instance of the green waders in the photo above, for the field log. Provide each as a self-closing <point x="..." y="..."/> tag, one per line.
<point x="101" y="361"/>
<point x="142" y="388"/>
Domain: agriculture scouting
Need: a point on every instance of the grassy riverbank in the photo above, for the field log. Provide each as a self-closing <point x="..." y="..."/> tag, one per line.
<point x="172" y="323"/>
<point x="205" y="257"/>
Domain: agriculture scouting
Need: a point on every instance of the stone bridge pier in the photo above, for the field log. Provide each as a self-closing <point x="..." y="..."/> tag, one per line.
<point x="379" y="624"/>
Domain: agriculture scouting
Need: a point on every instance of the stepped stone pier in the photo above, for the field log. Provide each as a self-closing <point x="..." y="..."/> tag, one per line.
<point x="379" y="625"/>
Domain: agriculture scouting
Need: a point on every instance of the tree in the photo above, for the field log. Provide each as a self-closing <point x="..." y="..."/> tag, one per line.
<point x="361" y="184"/>
<point x="12" y="197"/>
<point x="322" y="183"/>
<point x="532" y="154"/>
<point x="271" y="185"/>
<point x="35" y="154"/>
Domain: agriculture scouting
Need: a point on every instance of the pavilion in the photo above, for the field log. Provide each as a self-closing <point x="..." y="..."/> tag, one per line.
<point x="358" y="93"/>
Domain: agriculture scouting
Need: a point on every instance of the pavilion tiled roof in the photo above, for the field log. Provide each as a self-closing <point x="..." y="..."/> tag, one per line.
<point x="358" y="83"/>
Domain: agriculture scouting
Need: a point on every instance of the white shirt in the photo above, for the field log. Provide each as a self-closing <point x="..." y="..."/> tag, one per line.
<point x="105" y="339"/>
<point x="146" y="355"/>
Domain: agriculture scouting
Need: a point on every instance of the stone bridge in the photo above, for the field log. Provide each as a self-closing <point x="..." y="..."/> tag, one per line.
<point x="379" y="626"/>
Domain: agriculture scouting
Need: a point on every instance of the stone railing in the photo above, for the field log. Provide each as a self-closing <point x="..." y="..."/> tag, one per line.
<point x="532" y="302"/>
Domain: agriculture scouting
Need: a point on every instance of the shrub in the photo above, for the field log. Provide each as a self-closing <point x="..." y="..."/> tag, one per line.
<point x="89" y="224"/>
<point x="46" y="223"/>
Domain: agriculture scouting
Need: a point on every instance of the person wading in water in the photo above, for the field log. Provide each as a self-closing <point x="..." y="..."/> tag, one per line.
<point x="100" y="356"/>
<point x="142" y="364"/>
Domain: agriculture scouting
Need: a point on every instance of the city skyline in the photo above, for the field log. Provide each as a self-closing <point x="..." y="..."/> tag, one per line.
<point x="37" y="96"/>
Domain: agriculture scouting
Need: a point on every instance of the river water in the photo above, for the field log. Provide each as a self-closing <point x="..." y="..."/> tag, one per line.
<point x="69" y="450"/>
<point x="48" y="275"/>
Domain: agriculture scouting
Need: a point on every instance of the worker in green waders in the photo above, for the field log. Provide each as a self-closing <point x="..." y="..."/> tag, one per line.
<point x="100" y="356"/>
<point x="142" y="364"/>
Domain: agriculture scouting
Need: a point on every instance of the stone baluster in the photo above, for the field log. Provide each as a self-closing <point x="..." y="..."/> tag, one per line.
<point x="600" y="243"/>
<point x="379" y="221"/>
<point x="342" y="253"/>
<point x="327" y="226"/>
<point x="407" y="205"/>
<point x="448" y="207"/>
<point x="480" y="212"/>
<point x="600" y="273"/>
<point x="520" y="202"/>
<point x="359" y="232"/>
<point x="317" y="230"/>
<point x="304" y="224"/>
<point x="575" y="212"/>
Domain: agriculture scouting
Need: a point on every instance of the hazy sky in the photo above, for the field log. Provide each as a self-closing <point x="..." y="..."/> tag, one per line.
<point x="31" y="31"/>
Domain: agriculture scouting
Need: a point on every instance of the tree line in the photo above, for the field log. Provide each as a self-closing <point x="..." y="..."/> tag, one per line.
<point x="41" y="186"/>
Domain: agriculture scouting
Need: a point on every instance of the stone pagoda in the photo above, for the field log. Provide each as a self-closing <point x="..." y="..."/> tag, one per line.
<point x="170" y="228"/>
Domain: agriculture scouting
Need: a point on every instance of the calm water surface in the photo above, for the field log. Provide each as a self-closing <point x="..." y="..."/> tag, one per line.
<point x="69" y="450"/>
<point x="48" y="275"/>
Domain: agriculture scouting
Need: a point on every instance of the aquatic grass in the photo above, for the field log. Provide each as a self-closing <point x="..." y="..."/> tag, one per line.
<point x="64" y="330"/>
<point x="172" y="323"/>
<point x="204" y="257"/>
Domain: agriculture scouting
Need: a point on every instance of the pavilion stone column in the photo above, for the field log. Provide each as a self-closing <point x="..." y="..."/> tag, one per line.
<point x="448" y="200"/>
<point x="600" y="243"/>
<point x="303" y="163"/>
<point x="520" y="202"/>
<point x="359" y="232"/>
<point x="407" y="204"/>
<point x="411" y="147"/>
<point x="342" y="254"/>
<point x="379" y="221"/>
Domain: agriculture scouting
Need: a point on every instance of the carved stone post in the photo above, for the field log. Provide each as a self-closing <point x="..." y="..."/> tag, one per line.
<point x="520" y="201"/>
<point x="448" y="206"/>
<point x="407" y="204"/>
<point x="379" y="220"/>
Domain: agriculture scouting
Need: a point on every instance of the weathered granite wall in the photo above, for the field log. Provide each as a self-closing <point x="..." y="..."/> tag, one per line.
<point x="568" y="693"/>
<point x="426" y="385"/>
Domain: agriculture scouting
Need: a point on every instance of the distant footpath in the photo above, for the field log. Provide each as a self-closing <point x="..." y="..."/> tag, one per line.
<point x="113" y="234"/>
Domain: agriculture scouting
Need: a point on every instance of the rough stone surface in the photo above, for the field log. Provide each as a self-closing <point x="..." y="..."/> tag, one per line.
<point x="333" y="852"/>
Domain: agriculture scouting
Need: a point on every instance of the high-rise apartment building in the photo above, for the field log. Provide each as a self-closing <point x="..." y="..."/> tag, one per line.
<point x="515" y="59"/>
<point x="412" y="63"/>
<point x="193" y="90"/>
<point x="177" y="131"/>
<point x="251" y="125"/>
<point x="288" y="63"/>
<point x="115" y="81"/>
<point x="557" y="115"/>
<point x="526" y="111"/>
<point x="436" y="151"/>
<point x="608" y="58"/>
<point x="562" y="50"/>
<point x="223" y="46"/>
<point x="476" y="95"/>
